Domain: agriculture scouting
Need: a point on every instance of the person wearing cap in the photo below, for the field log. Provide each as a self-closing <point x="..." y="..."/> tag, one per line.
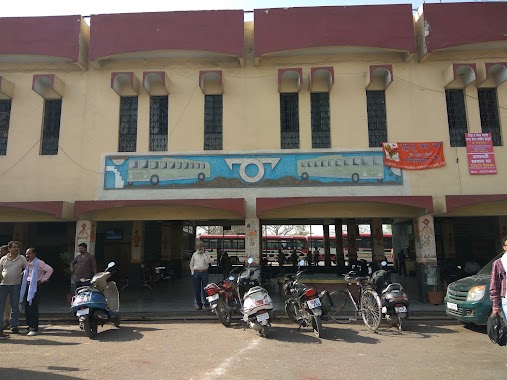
<point x="199" y="264"/>
<point x="11" y="267"/>
<point x="36" y="273"/>
<point x="83" y="266"/>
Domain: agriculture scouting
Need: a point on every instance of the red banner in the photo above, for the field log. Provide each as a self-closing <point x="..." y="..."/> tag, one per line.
<point x="481" y="158"/>
<point x="414" y="156"/>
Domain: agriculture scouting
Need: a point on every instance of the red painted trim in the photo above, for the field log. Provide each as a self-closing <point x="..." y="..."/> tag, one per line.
<point x="214" y="31"/>
<point x="371" y="26"/>
<point x="236" y="205"/>
<point x="267" y="204"/>
<point x="55" y="36"/>
<point x="454" y="202"/>
<point x="457" y="24"/>
<point x="54" y="208"/>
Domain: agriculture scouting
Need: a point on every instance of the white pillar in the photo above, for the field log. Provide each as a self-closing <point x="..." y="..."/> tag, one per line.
<point x="85" y="233"/>
<point x="252" y="239"/>
<point x="377" y="240"/>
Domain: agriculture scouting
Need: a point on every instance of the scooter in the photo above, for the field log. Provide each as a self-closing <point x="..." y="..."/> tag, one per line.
<point x="97" y="304"/>
<point x="241" y="293"/>
<point x="303" y="307"/>
<point x="394" y="300"/>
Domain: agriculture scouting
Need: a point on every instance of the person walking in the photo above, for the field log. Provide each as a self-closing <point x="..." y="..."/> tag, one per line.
<point x="498" y="283"/>
<point x="83" y="266"/>
<point x="294" y="257"/>
<point x="199" y="264"/>
<point x="37" y="272"/>
<point x="11" y="267"/>
<point x="280" y="258"/>
<point x="316" y="256"/>
<point x="309" y="257"/>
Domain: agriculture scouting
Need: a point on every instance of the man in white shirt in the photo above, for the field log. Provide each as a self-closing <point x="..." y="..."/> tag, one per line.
<point x="11" y="266"/>
<point x="199" y="264"/>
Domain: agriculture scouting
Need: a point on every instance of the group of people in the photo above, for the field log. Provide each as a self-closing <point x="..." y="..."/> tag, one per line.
<point x="23" y="277"/>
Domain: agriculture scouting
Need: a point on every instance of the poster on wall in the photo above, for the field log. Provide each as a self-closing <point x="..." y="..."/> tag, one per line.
<point x="481" y="157"/>
<point x="414" y="155"/>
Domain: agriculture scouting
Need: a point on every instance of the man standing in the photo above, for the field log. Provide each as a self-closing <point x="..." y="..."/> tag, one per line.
<point x="199" y="264"/>
<point x="4" y="250"/>
<point x="11" y="267"/>
<point x="83" y="266"/>
<point x="401" y="263"/>
<point x="36" y="273"/>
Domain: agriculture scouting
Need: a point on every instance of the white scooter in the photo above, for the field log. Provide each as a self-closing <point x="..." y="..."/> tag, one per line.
<point x="257" y="304"/>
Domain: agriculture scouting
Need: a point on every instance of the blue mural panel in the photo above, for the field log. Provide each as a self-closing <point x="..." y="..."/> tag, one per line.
<point x="253" y="170"/>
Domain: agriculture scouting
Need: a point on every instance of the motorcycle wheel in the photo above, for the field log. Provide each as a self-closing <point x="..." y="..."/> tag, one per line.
<point x="400" y="323"/>
<point x="90" y="327"/>
<point x="117" y="321"/>
<point x="291" y="310"/>
<point x="317" y="325"/>
<point x="265" y="331"/>
<point x="223" y="313"/>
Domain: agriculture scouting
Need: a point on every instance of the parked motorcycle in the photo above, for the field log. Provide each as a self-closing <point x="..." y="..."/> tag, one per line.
<point x="241" y="293"/>
<point x="303" y="307"/>
<point x="394" y="300"/>
<point x="98" y="303"/>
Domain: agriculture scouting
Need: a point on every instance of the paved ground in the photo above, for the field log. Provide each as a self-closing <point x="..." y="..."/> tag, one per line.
<point x="207" y="350"/>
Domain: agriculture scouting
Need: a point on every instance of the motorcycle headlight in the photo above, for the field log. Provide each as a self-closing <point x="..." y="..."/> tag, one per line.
<point x="476" y="293"/>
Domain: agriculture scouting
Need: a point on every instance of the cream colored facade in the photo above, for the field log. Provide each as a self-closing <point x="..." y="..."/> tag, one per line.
<point x="415" y="105"/>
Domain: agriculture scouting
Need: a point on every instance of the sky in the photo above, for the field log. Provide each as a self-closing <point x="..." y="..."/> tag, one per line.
<point x="89" y="7"/>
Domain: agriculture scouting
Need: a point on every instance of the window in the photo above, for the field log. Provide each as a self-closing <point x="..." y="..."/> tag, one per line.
<point x="5" y="117"/>
<point x="320" y="120"/>
<point x="289" y="120"/>
<point x="128" y="124"/>
<point x="456" y="116"/>
<point x="158" y="123"/>
<point x="213" y="110"/>
<point x="51" y="127"/>
<point x="377" y="121"/>
<point x="488" y="108"/>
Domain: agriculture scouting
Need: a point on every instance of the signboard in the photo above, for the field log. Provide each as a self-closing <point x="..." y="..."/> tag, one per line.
<point x="481" y="157"/>
<point x="414" y="155"/>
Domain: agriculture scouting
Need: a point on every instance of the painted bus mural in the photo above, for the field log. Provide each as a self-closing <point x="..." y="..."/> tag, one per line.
<point x="255" y="170"/>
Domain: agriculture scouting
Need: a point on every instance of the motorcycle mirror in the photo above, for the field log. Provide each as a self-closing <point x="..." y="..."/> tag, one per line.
<point x="383" y="263"/>
<point x="250" y="260"/>
<point x="111" y="264"/>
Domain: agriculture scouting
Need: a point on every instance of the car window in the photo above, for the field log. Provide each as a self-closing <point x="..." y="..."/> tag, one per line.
<point x="488" y="267"/>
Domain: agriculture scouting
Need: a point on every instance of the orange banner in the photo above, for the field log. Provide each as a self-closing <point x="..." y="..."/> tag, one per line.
<point x="414" y="156"/>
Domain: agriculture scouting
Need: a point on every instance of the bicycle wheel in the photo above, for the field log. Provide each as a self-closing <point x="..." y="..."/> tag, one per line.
<point x="371" y="309"/>
<point x="338" y="300"/>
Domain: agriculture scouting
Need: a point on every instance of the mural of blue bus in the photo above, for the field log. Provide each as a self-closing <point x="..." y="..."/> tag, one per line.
<point x="157" y="169"/>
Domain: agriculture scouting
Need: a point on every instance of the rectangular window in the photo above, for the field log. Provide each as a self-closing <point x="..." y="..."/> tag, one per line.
<point x="158" y="123"/>
<point x="377" y="120"/>
<point x="51" y="127"/>
<point x="321" y="135"/>
<point x="128" y="124"/>
<point x="289" y="120"/>
<point x="5" y="117"/>
<point x="490" y="120"/>
<point x="213" y="111"/>
<point x="456" y="116"/>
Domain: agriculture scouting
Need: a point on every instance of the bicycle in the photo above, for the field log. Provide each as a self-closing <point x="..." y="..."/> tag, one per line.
<point x="367" y="305"/>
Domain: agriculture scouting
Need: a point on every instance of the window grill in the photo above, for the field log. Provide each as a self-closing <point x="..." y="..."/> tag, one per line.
<point x="456" y="117"/>
<point x="128" y="124"/>
<point x="5" y="117"/>
<point x="289" y="120"/>
<point x="321" y="135"/>
<point x="213" y="112"/>
<point x="51" y="127"/>
<point x="377" y="120"/>
<point x="488" y="108"/>
<point x="158" y="123"/>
